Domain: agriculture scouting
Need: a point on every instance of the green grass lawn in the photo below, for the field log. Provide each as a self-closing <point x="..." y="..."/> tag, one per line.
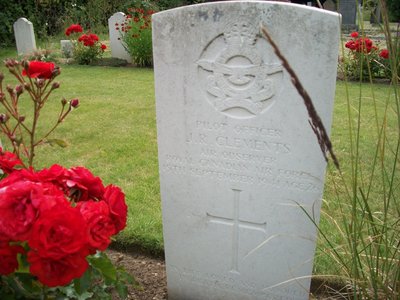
<point x="113" y="133"/>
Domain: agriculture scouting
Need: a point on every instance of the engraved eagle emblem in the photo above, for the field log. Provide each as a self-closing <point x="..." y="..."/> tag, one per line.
<point x="238" y="81"/>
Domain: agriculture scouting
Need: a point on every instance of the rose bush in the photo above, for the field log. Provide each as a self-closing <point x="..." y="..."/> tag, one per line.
<point x="54" y="222"/>
<point x="135" y="36"/>
<point x="364" y="60"/>
<point x="87" y="47"/>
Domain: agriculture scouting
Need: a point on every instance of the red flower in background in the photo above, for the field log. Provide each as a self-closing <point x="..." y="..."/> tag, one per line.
<point x="8" y="258"/>
<point x="103" y="47"/>
<point x="354" y="34"/>
<point x="364" y="45"/>
<point x="88" y="39"/>
<point x="39" y="69"/>
<point x="384" y="53"/>
<point x="73" y="28"/>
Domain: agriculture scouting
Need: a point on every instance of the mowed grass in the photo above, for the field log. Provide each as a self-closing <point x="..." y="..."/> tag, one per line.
<point x="372" y="108"/>
<point x="113" y="133"/>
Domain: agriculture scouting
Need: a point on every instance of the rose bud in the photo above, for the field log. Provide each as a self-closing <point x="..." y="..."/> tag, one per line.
<point x="19" y="89"/>
<point x="56" y="71"/>
<point x="10" y="63"/>
<point x="74" y="103"/>
<point x="10" y="89"/>
<point x="27" y="86"/>
<point x="3" y="118"/>
<point x="40" y="82"/>
<point x="21" y="119"/>
<point x="55" y="85"/>
<point x="25" y="64"/>
<point x="63" y="101"/>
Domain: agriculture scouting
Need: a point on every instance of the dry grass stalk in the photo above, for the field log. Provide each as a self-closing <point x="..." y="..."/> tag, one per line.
<point x="314" y="119"/>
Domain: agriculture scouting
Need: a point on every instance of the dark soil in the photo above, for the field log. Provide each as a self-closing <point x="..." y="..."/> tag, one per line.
<point x="150" y="273"/>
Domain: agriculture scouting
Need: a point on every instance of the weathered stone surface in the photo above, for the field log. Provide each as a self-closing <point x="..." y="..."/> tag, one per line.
<point x="117" y="50"/>
<point x="67" y="48"/>
<point x="237" y="155"/>
<point x="24" y="36"/>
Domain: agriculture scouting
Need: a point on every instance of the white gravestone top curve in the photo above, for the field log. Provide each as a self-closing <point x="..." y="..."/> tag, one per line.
<point x="117" y="49"/>
<point x="237" y="155"/>
<point x="24" y="36"/>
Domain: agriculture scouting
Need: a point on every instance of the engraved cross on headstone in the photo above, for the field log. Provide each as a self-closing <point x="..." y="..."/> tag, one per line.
<point x="237" y="223"/>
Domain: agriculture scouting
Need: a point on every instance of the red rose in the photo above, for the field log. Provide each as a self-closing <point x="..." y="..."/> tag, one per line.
<point x="93" y="37"/>
<point x="18" y="209"/>
<point x="39" y="69"/>
<point x="350" y="45"/>
<point x="8" y="161"/>
<point x="57" y="272"/>
<point x="19" y="175"/>
<point x="56" y="174"/>
<point x="84" y="185"/>
<point x="22" y="202"/>
<point x="82" y="37"/>
<point x="51" y="198"/>
<point x="118" y="209"/>
<point x="354" y="34"/>
<point x="74" y="103"/>
<point x="384" y="53"/>
<point x="59" y="232"/>
<point x="87" y="40"/>
<point x="73" y="28"/>
<point x="103" y="47"/>
<point x="8" y="258"/>
<point x="99" y="223"/>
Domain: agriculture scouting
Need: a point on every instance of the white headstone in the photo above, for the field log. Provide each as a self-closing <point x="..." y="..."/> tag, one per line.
<point x="24" y="36"/>
<point x="237" y="155"/>
<point x="67" y="48"/>
<point x="117" y="50"/>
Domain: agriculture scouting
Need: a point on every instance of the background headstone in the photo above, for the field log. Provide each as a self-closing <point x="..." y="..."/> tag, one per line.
<point x="67" y="48"/>
<point x="24" y="36"/>
<point x="237" y="155"/>
<point x="330" y="5"/>
<point x="117" y="50"/>
<point x="348" y="10"/>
